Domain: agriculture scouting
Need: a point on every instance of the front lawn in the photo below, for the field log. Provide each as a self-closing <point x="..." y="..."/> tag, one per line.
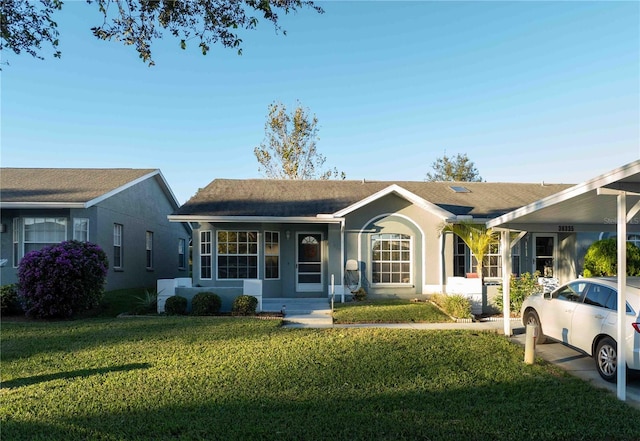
<point x="193" y="378"/>
<point x="388" y="311"/>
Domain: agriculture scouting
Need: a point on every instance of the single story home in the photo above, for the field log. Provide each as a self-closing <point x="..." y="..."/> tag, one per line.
<point x="124" y="211"/>
<point x="314" y="238"/>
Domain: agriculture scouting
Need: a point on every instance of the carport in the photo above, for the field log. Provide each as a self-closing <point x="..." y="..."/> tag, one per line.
<point x="607" y="203"/>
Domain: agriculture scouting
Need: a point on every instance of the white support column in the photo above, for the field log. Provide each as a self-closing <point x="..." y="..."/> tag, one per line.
<point x="505" y="250"/>
<point x="622" y="298"/>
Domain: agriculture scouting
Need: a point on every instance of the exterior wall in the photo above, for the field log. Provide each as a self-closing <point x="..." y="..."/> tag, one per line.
<point x="143" y="207"/>
<point x="393" y="214"/>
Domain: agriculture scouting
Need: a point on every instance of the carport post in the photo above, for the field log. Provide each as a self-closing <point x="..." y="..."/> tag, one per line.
<point x="622" y="298"/>
<point x="505" y="249"/>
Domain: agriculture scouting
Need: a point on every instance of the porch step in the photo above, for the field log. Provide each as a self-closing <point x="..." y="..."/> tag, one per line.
<point x="317" y="319"/>
<point x="300" y="312"/>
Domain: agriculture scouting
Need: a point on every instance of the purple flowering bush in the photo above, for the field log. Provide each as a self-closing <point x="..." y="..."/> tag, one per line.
<point x="62" y="280"/>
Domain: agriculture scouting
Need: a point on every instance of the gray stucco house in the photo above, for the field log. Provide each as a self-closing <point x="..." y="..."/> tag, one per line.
<point x="124" y="211"/>
<point x="296" y="237"/>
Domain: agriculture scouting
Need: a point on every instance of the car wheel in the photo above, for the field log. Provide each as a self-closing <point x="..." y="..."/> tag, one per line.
<point x="531" y="318"/>
<point x="606" y="356"/>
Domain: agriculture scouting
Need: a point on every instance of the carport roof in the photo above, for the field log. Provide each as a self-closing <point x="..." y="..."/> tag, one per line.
<point x="588" y="206"/>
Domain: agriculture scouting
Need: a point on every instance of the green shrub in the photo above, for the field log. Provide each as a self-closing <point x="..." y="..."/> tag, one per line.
<point x="601" y="259"/>
<point x="205" y="303"/>
<point x="147" y="304"/>
<point x="456" y="305"/>
<point x="175" y="305"/>
<point x="519" y="289"/>
<point x="359" y="295"/>
<point x="9" y="303"/>
<point x="244" y="305"/>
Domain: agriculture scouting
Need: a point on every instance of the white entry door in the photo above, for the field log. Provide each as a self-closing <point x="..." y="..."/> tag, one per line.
<point x="309" y="262"/>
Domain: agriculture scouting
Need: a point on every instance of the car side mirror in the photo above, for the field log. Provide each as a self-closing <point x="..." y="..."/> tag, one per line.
<point x="547" y="295"/>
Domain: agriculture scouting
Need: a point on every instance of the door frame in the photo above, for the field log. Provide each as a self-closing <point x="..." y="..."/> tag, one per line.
<point x="309" y="287"/>
<point x="534" y="254"/>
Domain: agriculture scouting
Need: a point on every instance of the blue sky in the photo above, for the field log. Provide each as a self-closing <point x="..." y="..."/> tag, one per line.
<point x="530" y="91"/>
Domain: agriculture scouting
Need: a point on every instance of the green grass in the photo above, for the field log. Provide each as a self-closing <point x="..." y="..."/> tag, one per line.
<point x="388" y="311"/>
<point x="192" y="378"/>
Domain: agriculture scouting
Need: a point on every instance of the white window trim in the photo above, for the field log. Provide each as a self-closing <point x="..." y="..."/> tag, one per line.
<point x="182" y="255"/>
<point x="272" y="255"/>
<point x="485" y="267"/>
<point x="410" y="261"/>
<point x="24" y="233"/>
<point x="554" y="257"/>
<point x="149" y="250"/>
<point x="16" y="242"/>
<point x="118" y="232"/>
<point x="257" y="254"/>
<point x="202" y="254"/>
<point x="76" y="222"/>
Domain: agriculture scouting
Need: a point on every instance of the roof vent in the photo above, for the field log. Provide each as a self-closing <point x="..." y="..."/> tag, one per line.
<point x="459" y="189"/>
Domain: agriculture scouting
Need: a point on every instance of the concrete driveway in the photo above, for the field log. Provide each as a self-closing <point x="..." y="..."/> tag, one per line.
<point x="580" y="365"/>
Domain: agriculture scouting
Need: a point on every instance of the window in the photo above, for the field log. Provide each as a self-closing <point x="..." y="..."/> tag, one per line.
<point x="117" y="245"/>
<point x="271" y="255"/>
<point x="459" y="257"/>
<point x="492" y="262"/>
<point x="391" y="258"/>
<point x="81" y="229"/>
<point x="149" y="249"/>
<point x="634" y="239"/>
<point x="16" y="242"/>
<point x="598" y="295"/>
<point x="237" y="254"/>
<point x="182" y="262"/>
<point x="205" y="254"/>
<point x="42" y="231"/>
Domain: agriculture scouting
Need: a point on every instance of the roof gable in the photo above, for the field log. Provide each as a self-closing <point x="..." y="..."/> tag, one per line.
<point x="70" y="187"/>
<point x="405" y="194"/>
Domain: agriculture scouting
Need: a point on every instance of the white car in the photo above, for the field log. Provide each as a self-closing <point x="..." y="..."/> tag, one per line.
<point x="583" y="314"/>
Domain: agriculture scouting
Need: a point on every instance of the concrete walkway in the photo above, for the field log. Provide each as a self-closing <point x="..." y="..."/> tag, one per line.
<point x="316" y="313"/>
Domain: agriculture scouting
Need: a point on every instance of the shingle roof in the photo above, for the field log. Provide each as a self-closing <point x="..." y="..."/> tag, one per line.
<point x="63" y="185"/>
<point x="292" y="198"/>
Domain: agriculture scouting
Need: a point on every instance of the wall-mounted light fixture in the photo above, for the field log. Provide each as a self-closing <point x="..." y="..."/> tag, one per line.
<point x="287" y="234"/>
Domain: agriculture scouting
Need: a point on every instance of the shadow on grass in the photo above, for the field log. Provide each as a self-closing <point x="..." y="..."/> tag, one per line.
<point x="495" y="412"/>
<point x="81" y="373"/>
<point x="26" y="339"/>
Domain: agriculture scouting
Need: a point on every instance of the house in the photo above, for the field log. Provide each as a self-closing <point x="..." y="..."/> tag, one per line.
<point x="124" y="211"/>
<point x="306" y="238"/>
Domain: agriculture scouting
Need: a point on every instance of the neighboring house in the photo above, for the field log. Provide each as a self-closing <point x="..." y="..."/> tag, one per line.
<point x="296" y="236"/>
<point x="124" y="211"/>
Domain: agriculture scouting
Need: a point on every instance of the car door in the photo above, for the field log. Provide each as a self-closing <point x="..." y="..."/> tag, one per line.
<point x="558" y="312"/>
<point x="589" y="316"/>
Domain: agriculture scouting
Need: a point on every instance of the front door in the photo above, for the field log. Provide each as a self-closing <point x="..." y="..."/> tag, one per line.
<point x="309" y="262"/>
<point x="544" y="255"/>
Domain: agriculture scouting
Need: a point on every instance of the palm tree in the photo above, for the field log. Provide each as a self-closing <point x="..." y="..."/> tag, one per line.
<point x="476" y="236"/>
